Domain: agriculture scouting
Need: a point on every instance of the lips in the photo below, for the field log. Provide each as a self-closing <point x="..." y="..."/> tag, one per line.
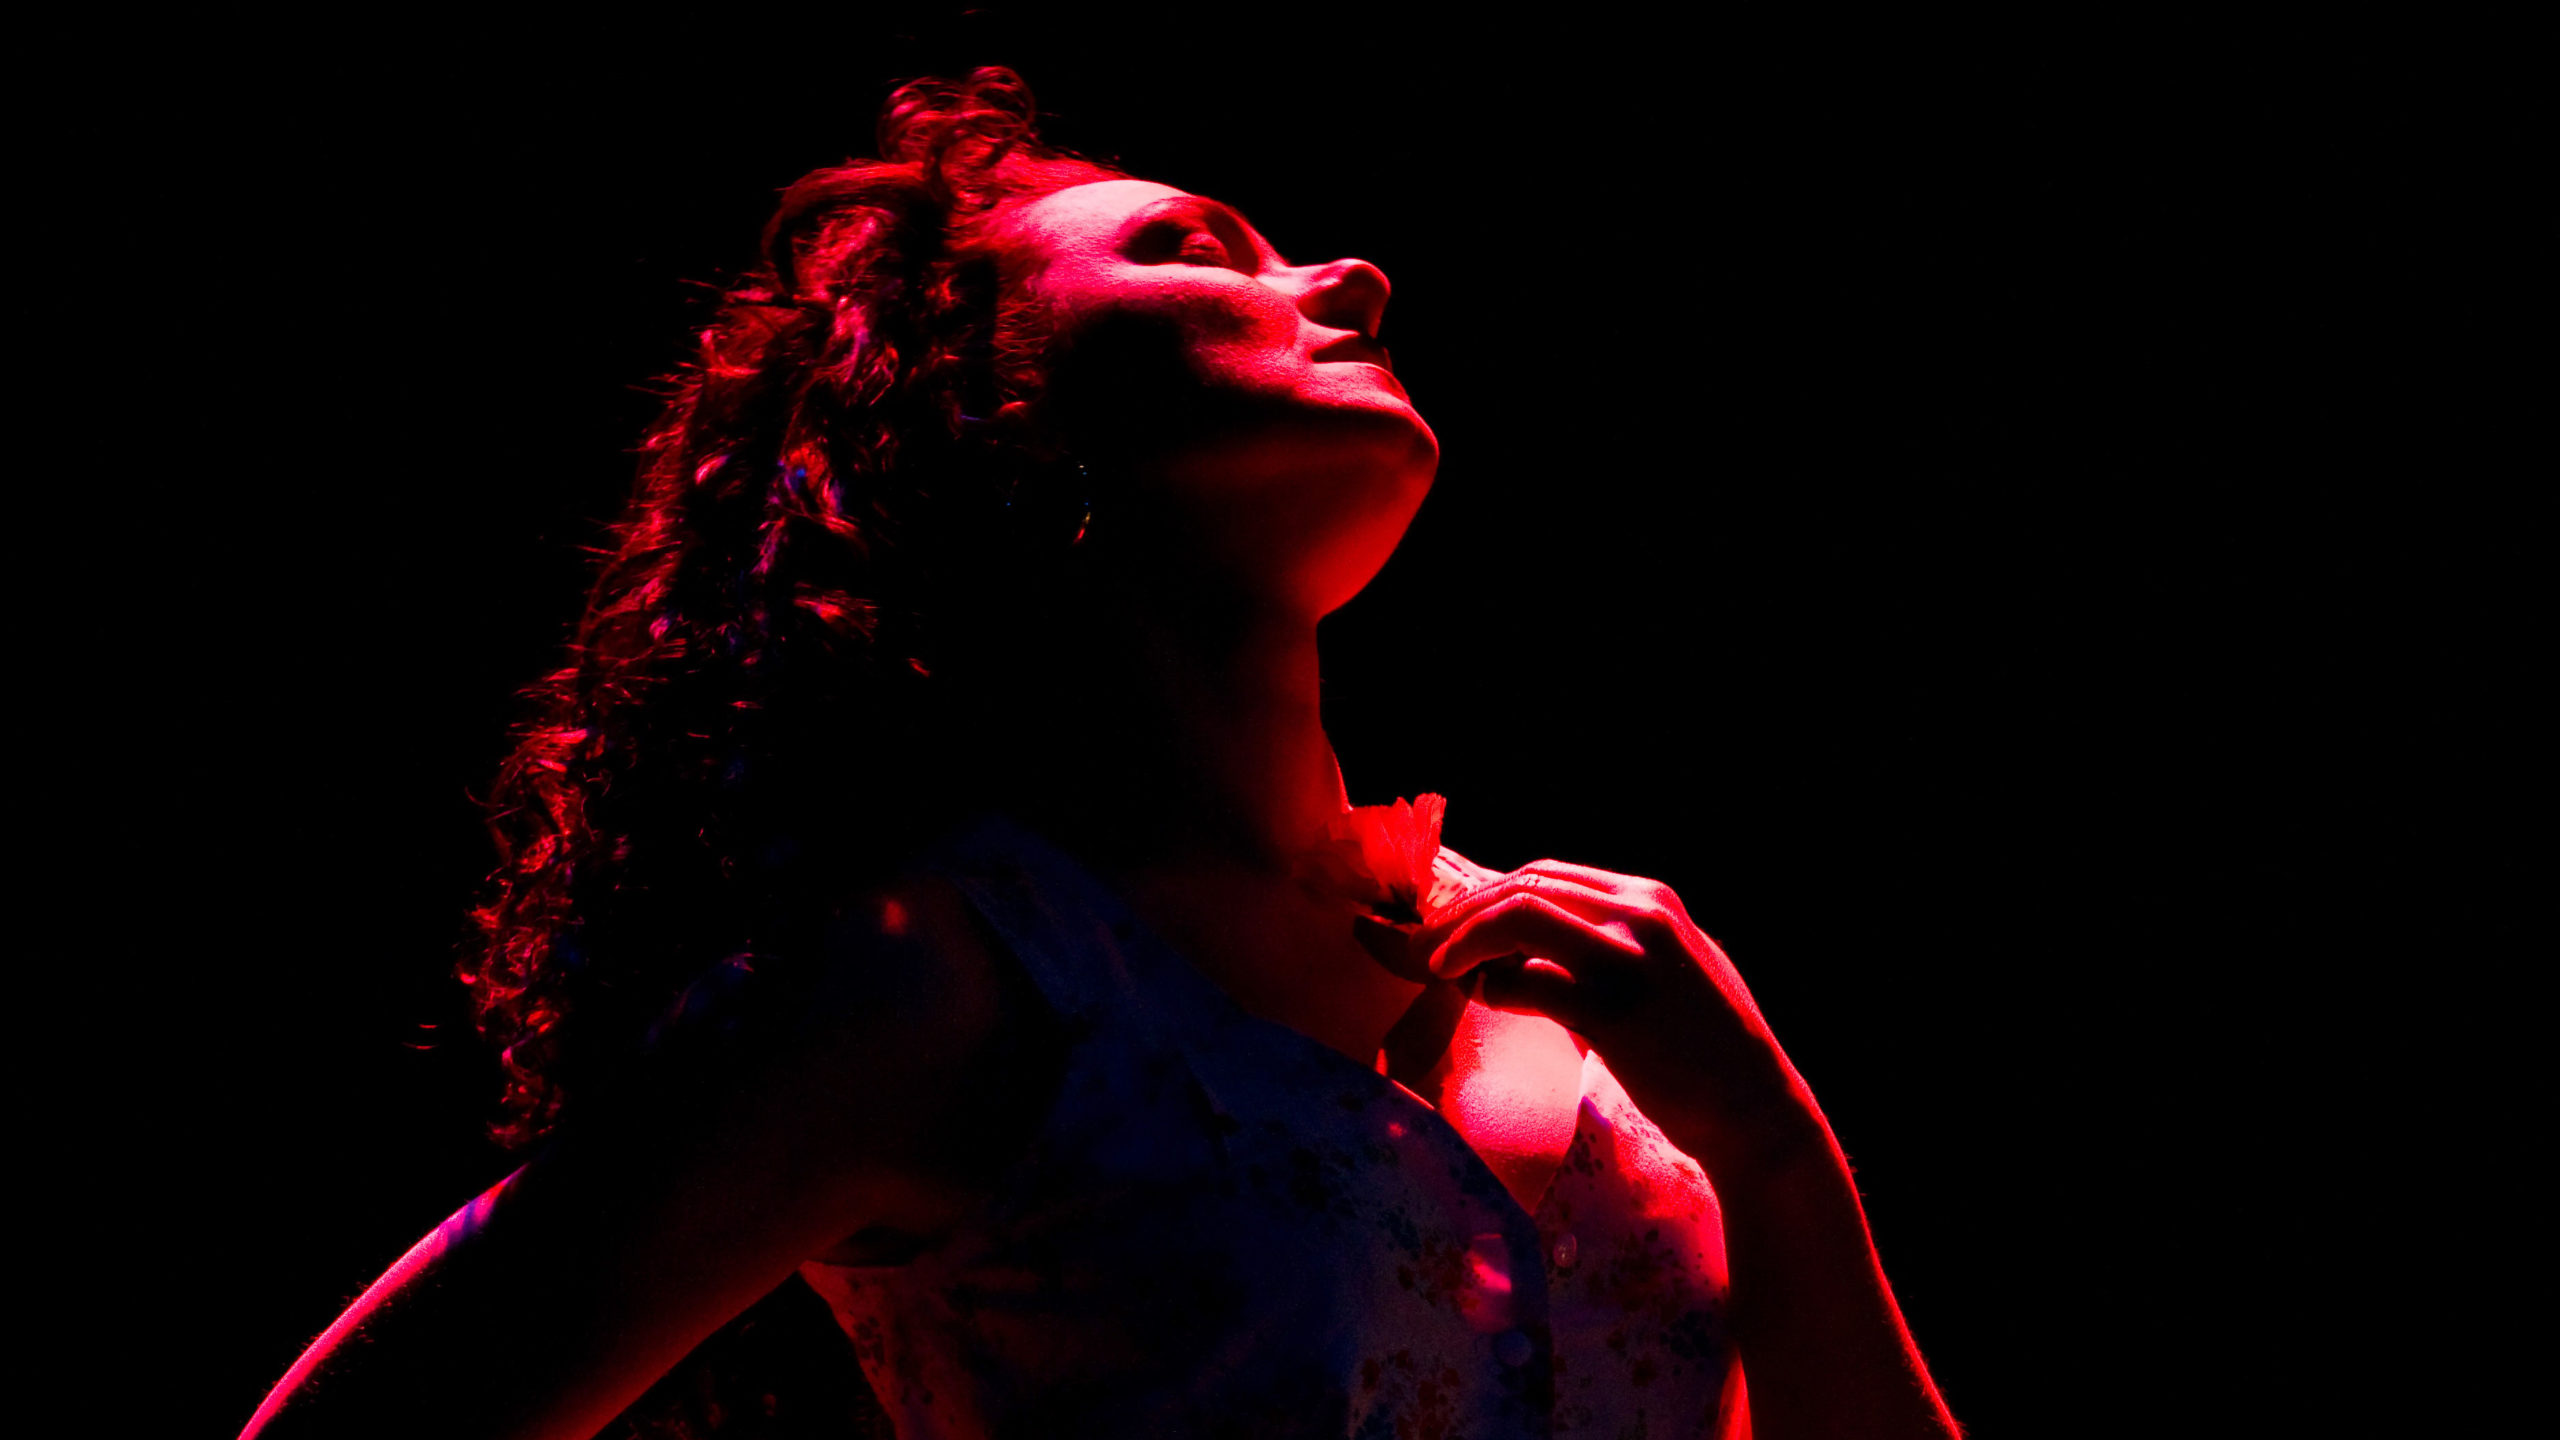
<point x="1355" y="348"/>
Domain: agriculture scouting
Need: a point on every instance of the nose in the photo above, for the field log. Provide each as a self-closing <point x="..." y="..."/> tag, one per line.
<point x="1347" y="295"/>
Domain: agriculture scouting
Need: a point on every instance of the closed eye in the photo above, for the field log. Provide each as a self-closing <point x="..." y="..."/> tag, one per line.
<point x="1175" y="240"/>
<point x="1191" y="231"/>
<point x="1203" y="248"/>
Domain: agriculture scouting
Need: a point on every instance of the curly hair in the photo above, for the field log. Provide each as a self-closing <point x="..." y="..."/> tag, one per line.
<point x="818" y="516"/>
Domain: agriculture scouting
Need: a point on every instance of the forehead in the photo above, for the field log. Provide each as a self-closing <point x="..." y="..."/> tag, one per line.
<point x="1085" y="215"/>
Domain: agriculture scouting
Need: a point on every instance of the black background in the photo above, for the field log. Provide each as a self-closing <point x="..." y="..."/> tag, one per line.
<point x="2029" y="531"/>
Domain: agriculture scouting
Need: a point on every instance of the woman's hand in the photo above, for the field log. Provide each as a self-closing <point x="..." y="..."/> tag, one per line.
<point x="1617" y="960"/>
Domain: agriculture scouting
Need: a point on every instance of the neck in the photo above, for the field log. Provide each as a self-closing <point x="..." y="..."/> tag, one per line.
<point x="1179" y="749"/>
<point x="1179" y="736"/>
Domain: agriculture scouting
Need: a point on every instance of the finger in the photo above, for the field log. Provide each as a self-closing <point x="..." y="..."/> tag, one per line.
<point x="1595" y="905"/>
<point x="1637" y="890"/>
<point x="1530" y="986"/>
<point x="1601" y="913"/>
<point x="1530" y="925"/>
<point x="1607" y="881"/>
<point x="1634" y="892"/>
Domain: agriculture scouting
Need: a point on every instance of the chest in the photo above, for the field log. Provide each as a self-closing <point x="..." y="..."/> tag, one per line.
<point x="1189" y="1202"/>
<point x="1207" y="1180"/>
<point x="1508" y="1084"/>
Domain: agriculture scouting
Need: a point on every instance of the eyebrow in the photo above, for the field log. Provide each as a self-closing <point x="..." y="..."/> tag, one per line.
<point x="1218" y="213"/>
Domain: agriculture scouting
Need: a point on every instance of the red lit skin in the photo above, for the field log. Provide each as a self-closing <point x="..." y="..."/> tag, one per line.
<point x="1617" y="960"/>
<point x="1261" y="483"/>
<point x="1260" y="463"/>
<point x="1262" y="449"/>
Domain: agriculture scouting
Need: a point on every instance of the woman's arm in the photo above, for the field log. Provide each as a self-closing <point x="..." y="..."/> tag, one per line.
<point x="547" y="1305"/>
<point x="1619" y="962"/>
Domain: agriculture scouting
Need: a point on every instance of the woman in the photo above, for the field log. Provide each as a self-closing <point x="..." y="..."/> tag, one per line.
<point x="931" y="877"/>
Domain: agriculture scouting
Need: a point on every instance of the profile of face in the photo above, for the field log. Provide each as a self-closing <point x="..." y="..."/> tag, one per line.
<point x="1249" y="430"/>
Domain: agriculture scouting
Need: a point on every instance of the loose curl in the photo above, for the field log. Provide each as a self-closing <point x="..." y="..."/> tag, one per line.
<point x="816" y="525"/>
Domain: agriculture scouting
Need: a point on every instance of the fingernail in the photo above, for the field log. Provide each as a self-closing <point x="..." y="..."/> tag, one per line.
<point x="1536" y="966"/>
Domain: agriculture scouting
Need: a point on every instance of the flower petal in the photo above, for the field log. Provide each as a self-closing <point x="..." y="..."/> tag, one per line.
<point x="1379" y="857"/>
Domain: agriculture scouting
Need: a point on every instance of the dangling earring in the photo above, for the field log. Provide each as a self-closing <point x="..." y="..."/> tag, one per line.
<point x="1058" y="498"/>
<point x="1083" y="491"/>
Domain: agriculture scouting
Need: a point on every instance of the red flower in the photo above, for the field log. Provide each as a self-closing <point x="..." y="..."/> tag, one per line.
<point x="1379" y="857"/>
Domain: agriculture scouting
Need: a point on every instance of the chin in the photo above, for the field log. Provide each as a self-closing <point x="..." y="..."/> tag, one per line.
<point x="1382" y="434"/>
<point x="1365" y="529"/>
<point x="1305" y="505"/>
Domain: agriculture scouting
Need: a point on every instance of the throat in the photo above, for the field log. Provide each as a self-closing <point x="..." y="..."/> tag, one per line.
<point x="1276" y="953"/>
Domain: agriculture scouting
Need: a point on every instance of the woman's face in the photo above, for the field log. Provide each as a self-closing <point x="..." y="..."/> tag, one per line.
<point x="1241" y="416"/>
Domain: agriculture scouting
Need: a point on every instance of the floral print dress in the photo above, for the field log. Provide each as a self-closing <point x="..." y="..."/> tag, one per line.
<point x="1227" y="1229"/>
